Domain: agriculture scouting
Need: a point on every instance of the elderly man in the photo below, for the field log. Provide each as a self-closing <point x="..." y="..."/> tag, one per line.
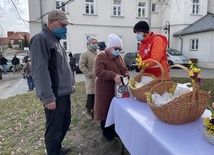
<point x="54" y="80"/>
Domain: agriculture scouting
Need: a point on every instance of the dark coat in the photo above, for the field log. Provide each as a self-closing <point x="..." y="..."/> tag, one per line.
<point x="105" y="71"/>
<point x="3" y="61"/>
<point x="15" y="61"/>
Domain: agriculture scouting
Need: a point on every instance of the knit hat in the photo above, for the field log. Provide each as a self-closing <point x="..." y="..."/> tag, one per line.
<point x="90" y="39"/>
<point x="141" y="26"/>
<point x="114" y="41"/>
<point x="59" y="15"/>
<point x="102" y="45"/>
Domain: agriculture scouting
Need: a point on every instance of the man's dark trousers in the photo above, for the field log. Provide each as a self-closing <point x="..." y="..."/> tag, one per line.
<point x="57" y="124"/>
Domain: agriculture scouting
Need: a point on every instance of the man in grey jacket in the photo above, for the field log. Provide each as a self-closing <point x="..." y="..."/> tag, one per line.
<point x="54" y="80"/>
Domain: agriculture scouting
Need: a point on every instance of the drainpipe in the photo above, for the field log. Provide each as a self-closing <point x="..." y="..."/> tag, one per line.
<point x="181" y="43"/>
<point x="149" y="15"/>
<point x="41" y="15"/>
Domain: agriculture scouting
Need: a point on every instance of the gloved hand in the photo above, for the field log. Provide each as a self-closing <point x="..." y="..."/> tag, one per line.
<point x="132" y="67"/>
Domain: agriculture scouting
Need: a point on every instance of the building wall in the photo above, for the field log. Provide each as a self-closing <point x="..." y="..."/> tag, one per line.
<point x="102" y="24"/>
<point x="204" y="54"/>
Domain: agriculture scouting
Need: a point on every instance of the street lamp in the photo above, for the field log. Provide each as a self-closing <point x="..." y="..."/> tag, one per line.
<point x="167" y="30"/>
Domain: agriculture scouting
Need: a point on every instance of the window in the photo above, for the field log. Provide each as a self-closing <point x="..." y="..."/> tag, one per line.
<point x="60" y="5"/>
<point x="63" y="42"/>
<point x="153" y="7"/>
<point x="90" y="6"/>
<point x="121" y="37"/>
<point x="194" y="44"/>
<point x="195" y="7"/>
<point x="117" y="7"/>
<point x="141" y="9"/>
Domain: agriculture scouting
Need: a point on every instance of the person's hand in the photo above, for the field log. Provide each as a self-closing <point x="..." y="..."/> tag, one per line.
<point x="132" y="67"/>
<point x="51" y="106"/>
<point x="213" y="105"/>
<point x="117" y="79"/>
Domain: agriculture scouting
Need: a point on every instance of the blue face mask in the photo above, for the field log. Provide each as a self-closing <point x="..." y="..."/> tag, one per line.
<point x="94" y="46"/>
<point x="60" y="32"/>
<point x="115" y="52"/>
<point x="139" y="37"/>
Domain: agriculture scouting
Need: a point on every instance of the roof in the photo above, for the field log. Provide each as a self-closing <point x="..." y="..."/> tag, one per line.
<point x="14" y="36"/>
<point x="204" y="24"/>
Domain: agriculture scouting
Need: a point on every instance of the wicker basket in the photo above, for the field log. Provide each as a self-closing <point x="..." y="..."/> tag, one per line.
<point x="139" y="93"/>
<point x="185" y="108"/>
<point x="209" y="138"/>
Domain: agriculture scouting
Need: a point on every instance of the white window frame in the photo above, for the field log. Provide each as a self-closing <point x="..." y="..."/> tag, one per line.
<point x="121" y="37"/>
<point x="140" y="9"/>
<point x="194" y="43"/>
<point x="64" y="41"/>
<point x="153" y="7"/>
<point x="60" y="3"/>
<point x="117" y="9"/>
<point x="91" y="4"/>
<point x="196" y="7"/>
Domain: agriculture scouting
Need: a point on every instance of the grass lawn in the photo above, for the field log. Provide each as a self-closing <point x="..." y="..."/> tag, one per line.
<point x="22" y="123"/>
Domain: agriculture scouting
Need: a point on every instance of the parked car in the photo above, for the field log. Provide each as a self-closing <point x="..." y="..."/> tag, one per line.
<point x="130" y="58"/>
<point x="10" y="65"/>
<point x="77" y="57"/>
<point x="21" y="59"/>
<point x="173" y="56"/>
<point x="176" y="57"/>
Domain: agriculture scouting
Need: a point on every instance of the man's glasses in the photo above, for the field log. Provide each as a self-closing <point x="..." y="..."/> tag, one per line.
<point x="120" y="49"/>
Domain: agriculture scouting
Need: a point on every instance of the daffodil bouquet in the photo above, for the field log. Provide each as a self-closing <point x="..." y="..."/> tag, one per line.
<point x="209" y="123"/>
<point x="139" y="61"/>
<point x="194" y="74"/>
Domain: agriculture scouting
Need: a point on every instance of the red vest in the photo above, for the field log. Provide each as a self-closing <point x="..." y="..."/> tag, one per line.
<point x="146" y="49"/>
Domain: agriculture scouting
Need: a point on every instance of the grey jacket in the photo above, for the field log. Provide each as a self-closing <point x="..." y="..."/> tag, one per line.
<point x="51" y="71"/>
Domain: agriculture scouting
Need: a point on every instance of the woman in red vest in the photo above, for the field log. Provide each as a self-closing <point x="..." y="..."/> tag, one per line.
<point x="152" y="46"/>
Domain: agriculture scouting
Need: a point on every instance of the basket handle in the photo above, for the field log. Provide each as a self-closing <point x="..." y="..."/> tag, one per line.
<point x="155" y="61"/>
<point x="195" y="87"/>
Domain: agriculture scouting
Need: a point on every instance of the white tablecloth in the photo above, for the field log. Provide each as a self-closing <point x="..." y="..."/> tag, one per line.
<point x="143" y="133"/>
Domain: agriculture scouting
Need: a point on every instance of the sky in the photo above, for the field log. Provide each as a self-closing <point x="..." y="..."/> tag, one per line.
<point x="9" y="19"/>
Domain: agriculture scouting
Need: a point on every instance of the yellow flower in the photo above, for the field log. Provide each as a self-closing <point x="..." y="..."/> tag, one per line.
<point x="139" y="61"/>
<point x="148" y="96"/>
<point x="209" y="122"/>
<point x="194" y="73"/>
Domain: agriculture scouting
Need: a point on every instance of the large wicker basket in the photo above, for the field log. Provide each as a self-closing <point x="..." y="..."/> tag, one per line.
<point x="139" y="93"/>
<point x="185" y="108"/>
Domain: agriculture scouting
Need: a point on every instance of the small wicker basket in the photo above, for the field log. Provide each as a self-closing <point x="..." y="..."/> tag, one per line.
<point x="209" y="138"/>
<point x="139" y="93"/>
<point x="185" y="108"/>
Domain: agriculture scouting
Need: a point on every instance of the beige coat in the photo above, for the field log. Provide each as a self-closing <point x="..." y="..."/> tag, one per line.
<point x="86" y="65"/>
<point x="105" y="71"/>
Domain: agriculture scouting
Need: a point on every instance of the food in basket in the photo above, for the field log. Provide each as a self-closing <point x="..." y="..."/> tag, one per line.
<point x="144" y="80"/>
<point x="185" y="108"/>
<point x="176" y="91"/>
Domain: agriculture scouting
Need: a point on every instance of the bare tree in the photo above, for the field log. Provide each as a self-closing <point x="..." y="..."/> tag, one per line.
<point x="15" y="6"/>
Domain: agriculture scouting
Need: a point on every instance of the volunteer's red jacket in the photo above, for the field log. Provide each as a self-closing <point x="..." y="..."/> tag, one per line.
<point x="154" y="47"/>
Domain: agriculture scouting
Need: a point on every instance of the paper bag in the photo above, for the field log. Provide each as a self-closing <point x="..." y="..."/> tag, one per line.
<point x="122" y="90"/>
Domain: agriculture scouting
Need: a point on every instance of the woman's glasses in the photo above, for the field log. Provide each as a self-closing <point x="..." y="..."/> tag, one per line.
<point x="120" y="49"/>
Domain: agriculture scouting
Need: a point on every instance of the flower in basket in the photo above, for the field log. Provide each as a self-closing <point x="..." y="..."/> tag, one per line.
<point x="194" y="73"/>
<point x="209" y="122"/>
<point x="139" y="61"/>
